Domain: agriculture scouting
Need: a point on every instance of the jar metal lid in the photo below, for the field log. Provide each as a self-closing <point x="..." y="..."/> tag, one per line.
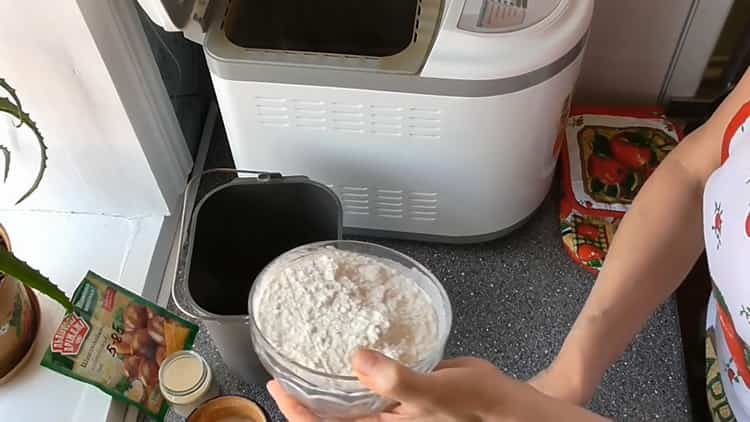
<point x="194" y="377"/>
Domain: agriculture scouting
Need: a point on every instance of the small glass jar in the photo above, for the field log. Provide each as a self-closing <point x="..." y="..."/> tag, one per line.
<point x="186" y="381"/>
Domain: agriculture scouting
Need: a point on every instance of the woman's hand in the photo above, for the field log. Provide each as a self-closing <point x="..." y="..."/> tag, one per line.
<point x="459" y="390"/>
<point x="464" y="389"/>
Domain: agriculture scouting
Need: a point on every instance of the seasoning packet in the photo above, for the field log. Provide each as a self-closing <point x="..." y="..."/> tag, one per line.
<point x="116" y="341"/>
<point x="608" y="155"/>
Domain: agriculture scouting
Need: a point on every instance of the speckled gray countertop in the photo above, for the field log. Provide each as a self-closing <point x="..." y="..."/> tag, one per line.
<point x="514" y="301"/>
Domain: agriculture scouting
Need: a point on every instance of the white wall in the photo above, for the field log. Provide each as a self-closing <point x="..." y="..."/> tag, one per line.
<point x="82" y="71"/>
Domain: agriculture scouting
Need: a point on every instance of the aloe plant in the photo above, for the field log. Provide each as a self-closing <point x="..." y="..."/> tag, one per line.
<point x="11" y="266"/>
<point x="12" y="105"/>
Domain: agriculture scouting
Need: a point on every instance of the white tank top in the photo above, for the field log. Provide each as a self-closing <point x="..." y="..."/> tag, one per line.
<point x="726" y="214"/>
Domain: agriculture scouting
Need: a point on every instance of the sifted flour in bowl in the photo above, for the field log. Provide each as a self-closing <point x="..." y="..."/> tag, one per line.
<point x="317" y="310"/>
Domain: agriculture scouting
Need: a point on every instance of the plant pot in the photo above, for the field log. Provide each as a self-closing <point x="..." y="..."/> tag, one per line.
<point x="19" y="321"/>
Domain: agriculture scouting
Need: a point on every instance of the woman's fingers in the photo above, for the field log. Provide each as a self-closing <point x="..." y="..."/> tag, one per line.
<point x="291" y="408"/>
<point x="390" y="379"/>
<point x="296" y="412"/>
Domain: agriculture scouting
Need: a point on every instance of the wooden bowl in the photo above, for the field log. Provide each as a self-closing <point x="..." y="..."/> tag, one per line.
<point x="228" y="408"/>
<point x="25" y="357"/>
<point x="19" y="322"/>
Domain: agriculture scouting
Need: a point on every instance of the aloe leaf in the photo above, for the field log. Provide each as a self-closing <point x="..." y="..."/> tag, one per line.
<point x="6" y="106"/>
<point x="9" y="89"/>
<point x="6" y="161"/>
<point x="21" y="271"/>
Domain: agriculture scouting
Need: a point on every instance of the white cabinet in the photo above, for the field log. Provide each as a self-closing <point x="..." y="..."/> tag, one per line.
<point x="643" y="50"/>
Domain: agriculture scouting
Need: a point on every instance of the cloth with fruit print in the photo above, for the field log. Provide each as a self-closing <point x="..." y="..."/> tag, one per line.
<point x="726" y="225"/>
<point x="608" y="156"/>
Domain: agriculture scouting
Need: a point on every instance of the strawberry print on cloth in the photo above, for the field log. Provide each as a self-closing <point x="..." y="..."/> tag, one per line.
<point x="607" y="158"/>
<point x="718" y="224"/>
<point x="610" y="155"/>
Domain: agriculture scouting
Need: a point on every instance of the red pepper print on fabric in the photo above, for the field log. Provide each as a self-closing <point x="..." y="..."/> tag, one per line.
<point x="718" y="223"/>
<point x="731" y="375"/>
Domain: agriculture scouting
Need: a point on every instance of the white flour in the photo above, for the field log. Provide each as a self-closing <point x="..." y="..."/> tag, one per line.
<point x="320" y="309"/>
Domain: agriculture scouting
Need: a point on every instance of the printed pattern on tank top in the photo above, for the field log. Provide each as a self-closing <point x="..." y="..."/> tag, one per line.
<point x="726" y="213"/>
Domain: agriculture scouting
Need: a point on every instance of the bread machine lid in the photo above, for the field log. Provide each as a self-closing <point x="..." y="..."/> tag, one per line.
<point x="189" y="16"/>
<point x="494" y="16"/>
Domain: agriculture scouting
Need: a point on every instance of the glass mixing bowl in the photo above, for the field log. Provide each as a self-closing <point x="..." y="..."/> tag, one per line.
<point x="336" y="396"/>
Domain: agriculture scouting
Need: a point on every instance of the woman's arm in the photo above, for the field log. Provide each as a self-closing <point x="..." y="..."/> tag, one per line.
<point x="656" y="245"/>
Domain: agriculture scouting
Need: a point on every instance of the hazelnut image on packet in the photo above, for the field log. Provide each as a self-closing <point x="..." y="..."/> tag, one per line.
<point x="116" y="340"/>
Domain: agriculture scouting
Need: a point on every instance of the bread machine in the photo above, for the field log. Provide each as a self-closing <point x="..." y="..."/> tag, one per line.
<point x="430" y="119"/>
